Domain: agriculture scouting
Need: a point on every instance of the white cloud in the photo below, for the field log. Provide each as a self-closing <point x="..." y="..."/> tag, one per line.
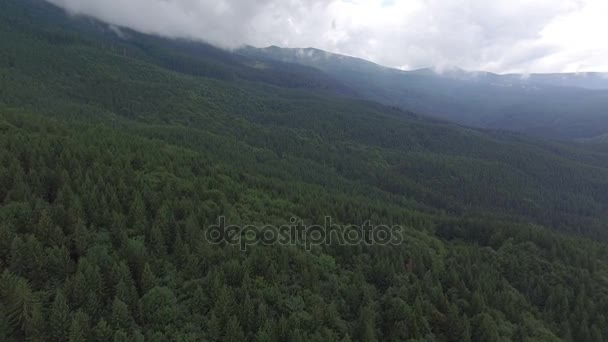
<point x="498" y="35"/>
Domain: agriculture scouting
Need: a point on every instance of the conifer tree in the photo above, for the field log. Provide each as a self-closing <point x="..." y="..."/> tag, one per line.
<point x="60" y="318"/>
<point x="19" y="303"/>
<point x="80" y="238"/>
<point x="102" y="331"/>
<point x="486" y="329"/>
<point x="214" y="328"/>
<point x="120" y="336"/>
<point x="80" y="327"/>
<point x="121" y="317"/>
<point x="36" y="327"/>
<point x="234" y="332"/>
<point x="148" y="279"/>
<point x="47" y="232"/>
<point x="366" y="325"/>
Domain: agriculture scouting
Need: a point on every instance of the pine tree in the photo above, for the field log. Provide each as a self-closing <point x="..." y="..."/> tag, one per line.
<point x="79" y="328"/>
<point x="125" y="289"/>
<point x="199" y="300"/>
<point x="59" y="263"/>
<point x="137" y="215"/>
<point x="47" y="231"/>
<point x="148" y="279"/>
<point x="366" y="325"/>
<point x="5" y="329"/>
<point x="486" y="329"/>
<point x="181" y="251"/>
<point x="234" y="332"/>
<point x="20" y="190"/>
<point x="92" y="304"/>
<point x="123" y="292"/>
<point x="102" y="331"/>
<point x="121" y="317"/>
<point x="165" y="220"/>
<point x="79" y="286"/>
<point x="263" y="336"/>
<point x="120" y="336"/>
<point x="36" y="327"/>
<point x="157" y="241"/>
<point x="454" y="324"/>
<point x="159" y="307"/>
<point x="247" y="313"/>
<point x="224" y="305"/>
<point x="59" y="318"/>
<point x="20" y="304"/>
<point x="81" y="238"/>
<point x="214" y="328"/>
<point x="18" y="263"/>
<point x="6" y="238"/>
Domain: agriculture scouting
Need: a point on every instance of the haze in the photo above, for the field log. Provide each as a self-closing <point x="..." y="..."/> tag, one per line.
<point x="499" y="36"/>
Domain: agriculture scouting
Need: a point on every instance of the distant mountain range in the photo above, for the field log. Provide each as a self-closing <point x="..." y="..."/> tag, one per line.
<point x="586" y="80"/>
<point x="558" y="106"/>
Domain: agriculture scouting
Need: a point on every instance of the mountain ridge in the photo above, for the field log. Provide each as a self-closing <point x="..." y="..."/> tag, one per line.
<point x="543" y="105"/>
<point x="555" y="78"/>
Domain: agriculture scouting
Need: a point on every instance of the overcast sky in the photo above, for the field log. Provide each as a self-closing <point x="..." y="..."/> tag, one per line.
<point x="491" y="35"/>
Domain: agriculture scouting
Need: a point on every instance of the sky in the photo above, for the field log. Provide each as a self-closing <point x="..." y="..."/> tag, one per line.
<point x="503" y="36"/>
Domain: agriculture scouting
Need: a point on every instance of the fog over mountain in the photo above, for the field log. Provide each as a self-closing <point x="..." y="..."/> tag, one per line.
<point x="498" y="36"/>
<point x="557" y="106"/>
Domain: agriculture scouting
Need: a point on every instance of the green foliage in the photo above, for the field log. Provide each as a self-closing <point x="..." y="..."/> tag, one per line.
<point x="80" y="327"/>
<point x="117" y="155"/>
<point x="59" y="318"/>
<point x="160" y="307"/>
<point x="20" y="304"/>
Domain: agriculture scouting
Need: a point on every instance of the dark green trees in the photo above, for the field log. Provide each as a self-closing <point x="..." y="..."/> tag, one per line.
<point x="113" y="167"/>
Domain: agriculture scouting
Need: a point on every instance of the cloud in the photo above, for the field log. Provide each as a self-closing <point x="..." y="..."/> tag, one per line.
<point x="499" y="35"/>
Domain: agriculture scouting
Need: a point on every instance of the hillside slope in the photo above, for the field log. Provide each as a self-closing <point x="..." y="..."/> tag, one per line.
<point x="115" y="163"/>
<point x="562" y="106"/>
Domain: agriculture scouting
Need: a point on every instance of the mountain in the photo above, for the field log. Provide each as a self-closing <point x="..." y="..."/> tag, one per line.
<point x="588" y="80"/>
<point x="122" y="152"/>
<point x="557" y="106"/>
<point x="585" y="80"/>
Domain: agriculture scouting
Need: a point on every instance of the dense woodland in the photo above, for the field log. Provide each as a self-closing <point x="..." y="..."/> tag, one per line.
<point x="119" y="151"/>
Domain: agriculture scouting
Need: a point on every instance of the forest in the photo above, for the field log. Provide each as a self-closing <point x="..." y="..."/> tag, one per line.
<point x="563" y="106"/>
<point x="118" y="152"/>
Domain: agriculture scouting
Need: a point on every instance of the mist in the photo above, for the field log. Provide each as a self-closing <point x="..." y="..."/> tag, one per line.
<point x="498" y="36"/>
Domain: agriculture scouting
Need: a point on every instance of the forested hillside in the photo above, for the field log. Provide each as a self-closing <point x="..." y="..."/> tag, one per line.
<point x="557" y="106"/>
<point x="119" y="151"/>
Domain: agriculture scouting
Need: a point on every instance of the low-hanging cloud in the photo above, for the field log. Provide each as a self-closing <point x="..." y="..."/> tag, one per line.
<point x="500" y="35"/>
